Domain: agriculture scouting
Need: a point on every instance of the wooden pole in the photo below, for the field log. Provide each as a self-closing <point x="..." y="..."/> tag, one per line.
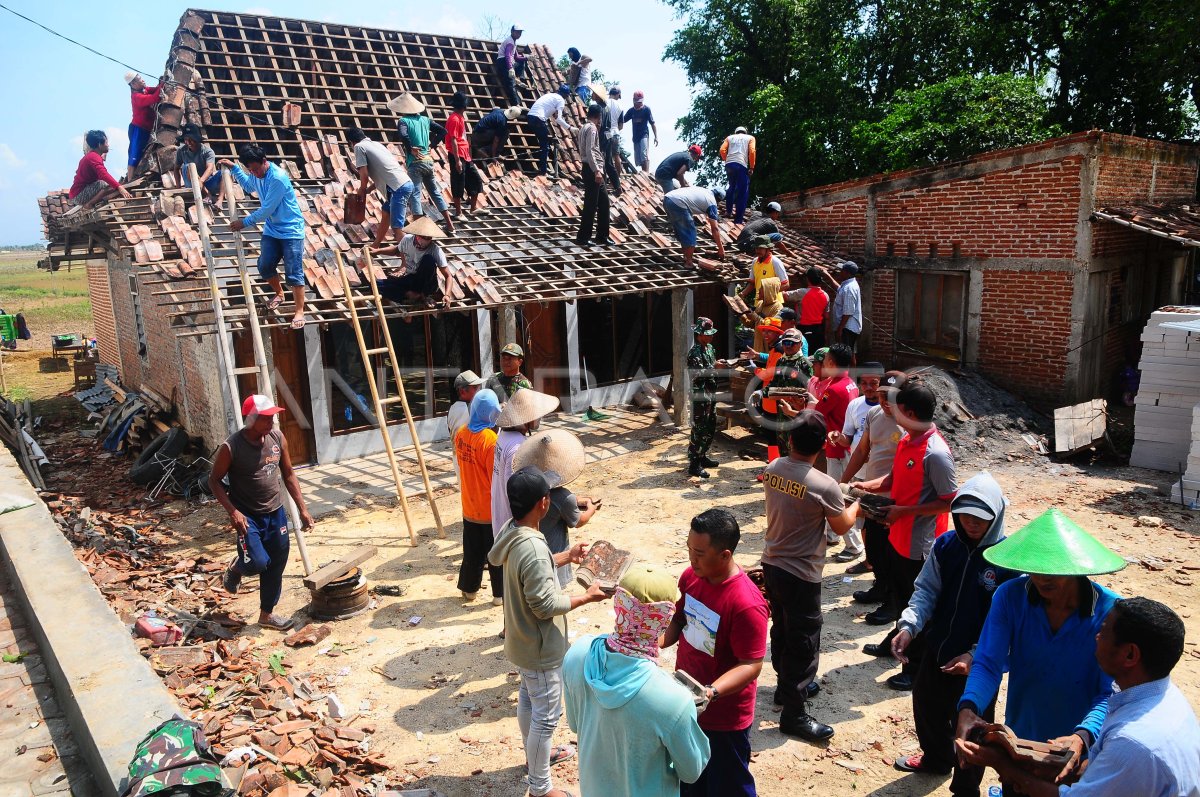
<point x="265" y="385"/>
<point x="223" y="353"/>
<point x="379" y="412"/>
<point x="681" y="341"/>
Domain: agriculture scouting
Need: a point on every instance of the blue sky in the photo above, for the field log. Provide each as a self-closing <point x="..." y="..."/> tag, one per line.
<point x="53" y="91"/>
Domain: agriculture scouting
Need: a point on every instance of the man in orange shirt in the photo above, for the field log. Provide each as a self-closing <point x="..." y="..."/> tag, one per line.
<point x="474" y="449"/>
<point x="814" y="307"/>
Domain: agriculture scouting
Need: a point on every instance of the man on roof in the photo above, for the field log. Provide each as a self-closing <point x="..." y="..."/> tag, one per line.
<point x="376" y="164"/>
<point x="643" y="122"/>
<point x="765" y="266"/>
<point x="510" y="65"/>
<point x="767" y="225"/>
<point x="612" y="138"/>
<point x="422" y="258"/>
<point x="682" y="205"/>
<point x="193" y="150"/>
<point x="548" y="107"/>
<point x="283" y="225"/>
<point x="145" y="101"/>
<point x="673" y="166"/>
<point x="491" y="132"/>
<point x="419" y="136"/>
<point x="579" y="75"/>
<point x="465" y="179"/>
<point x="738" y="153"/>
<point x="93" y="184"/>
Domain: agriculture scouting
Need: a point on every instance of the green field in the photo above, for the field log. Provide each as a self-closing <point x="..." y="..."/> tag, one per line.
<point x="51" y="301"/>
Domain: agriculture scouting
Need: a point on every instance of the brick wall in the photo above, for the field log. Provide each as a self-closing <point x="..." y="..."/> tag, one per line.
<point x="841" y="226"/>
<point x="1113" y="240"/>
<point x="1025" y="212"/>
<point x="103" y="321"/>
<point x="1024" y="331"/>
<point x="879" y="316"/>
<point x="1122" y="180"/>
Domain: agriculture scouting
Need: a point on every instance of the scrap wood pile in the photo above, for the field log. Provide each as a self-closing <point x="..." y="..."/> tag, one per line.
<point x="131" y="420"/>
<point x="16" y="430"/>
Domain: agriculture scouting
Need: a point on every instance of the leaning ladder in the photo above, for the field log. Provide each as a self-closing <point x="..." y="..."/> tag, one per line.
<point x="232" y="371"/>
<point x="352" y="301"/>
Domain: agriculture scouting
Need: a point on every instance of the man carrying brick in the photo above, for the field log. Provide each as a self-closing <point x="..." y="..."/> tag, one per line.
<point x="682" y="205"/>
<point x="376" y="164"/>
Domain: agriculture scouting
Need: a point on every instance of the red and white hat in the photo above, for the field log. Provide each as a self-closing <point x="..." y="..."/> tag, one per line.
<point x="258" y="404"/>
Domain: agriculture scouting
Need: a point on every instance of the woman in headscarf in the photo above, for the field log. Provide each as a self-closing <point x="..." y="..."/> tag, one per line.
<point x="474" y="449"/>
<point x="1041" y="629"/>
<point x="638" y="735"/>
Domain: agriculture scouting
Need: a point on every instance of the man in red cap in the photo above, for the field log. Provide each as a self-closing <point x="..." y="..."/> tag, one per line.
<point x="254" y="458"/>
<point x="673" y="167"/>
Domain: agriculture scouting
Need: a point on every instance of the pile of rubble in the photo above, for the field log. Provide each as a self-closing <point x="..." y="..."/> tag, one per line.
<point x="983" y="423"/>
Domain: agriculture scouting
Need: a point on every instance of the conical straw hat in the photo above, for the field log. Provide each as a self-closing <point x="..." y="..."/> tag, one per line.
<point x="405" y="105"/>
<point x="525" y="405"/>
<point x="1054" y="545"/>
<point x="424" y="226"/>
<point x="555" y="450"/>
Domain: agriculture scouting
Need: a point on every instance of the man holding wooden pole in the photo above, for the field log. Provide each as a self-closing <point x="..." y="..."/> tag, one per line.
<point x="254" y="458"/>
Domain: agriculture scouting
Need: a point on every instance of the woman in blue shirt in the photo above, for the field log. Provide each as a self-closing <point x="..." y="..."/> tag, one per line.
<point x="1042" y="629"/>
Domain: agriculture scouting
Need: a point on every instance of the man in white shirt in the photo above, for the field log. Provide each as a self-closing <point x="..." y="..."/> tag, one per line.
<point x="682" y="205"/>
<point x="612" y="139"/>
<point x="422" y="258"/>
<point x="548" y="107"/>
<point x="376" y="164"/>
<point x="847" y="306"/>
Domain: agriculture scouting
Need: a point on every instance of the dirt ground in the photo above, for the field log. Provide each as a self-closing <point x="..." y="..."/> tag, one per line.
<point x="445" y="712"/>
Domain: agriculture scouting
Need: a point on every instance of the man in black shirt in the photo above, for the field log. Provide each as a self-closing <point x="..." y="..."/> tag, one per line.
<point x="763" y="225"/>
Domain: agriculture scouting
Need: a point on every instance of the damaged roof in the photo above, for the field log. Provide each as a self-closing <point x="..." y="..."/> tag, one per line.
<point x="1179" y="222"/>
<point x="233" y="74"/>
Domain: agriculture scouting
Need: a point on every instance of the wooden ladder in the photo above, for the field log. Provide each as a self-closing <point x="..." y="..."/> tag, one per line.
<point x="250" y="314"/>
<point x="380" y="404"/>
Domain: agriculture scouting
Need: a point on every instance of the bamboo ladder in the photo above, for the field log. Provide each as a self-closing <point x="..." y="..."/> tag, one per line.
<point x="380" y="404"/>
<point x="231" y="370"/>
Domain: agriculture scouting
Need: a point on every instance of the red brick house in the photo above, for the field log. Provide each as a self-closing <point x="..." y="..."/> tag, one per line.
<point x="1022" y="262"/>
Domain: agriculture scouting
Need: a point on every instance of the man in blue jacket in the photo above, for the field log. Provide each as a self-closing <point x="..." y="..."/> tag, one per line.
<point x="949" y="604"/>
<point x="1042" y="630"/>
<point x="283" y="224"/>
<point x="638" y="734"/>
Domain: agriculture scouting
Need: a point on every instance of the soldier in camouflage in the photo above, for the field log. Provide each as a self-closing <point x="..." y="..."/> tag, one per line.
<point x="701" y="360"/>
<point x="509" y="379"/>
<point x="792" y="370"/>
<point x="175" y="758"/>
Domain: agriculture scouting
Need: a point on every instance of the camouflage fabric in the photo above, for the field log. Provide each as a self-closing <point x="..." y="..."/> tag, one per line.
<point x="175" y="759"/>
<point x="789" y="372"/>
<point x="506" y="386"/>
<point x="701" y="360"/>
<point x="704" y="427"/>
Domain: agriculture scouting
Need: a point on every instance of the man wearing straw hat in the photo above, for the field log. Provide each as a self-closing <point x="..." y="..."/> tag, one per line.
<point x="419" y="136"/>
<point x="1042" y="629"/>
<point x="518" y="419"/>
<point x="255" y="459"/>
<point x="1150" y="742"/>
<point x="638" y="735"/>
<point x="422" y="258"/>
<point x="491" y="132"/>
<point x="560" y="452"/>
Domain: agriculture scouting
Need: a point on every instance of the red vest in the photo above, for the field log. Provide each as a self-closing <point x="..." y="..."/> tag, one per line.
<point x="908" y="482"/>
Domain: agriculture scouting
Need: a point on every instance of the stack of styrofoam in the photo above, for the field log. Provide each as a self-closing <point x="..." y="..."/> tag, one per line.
<point x="1164" y="431"/>
<point x="1187" y="490"/>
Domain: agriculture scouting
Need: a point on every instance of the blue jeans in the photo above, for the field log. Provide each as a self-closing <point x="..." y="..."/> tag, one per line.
<point x="539" y="707"/>
<point x="421" y="173"/>
<point x="682" y="221"/>
<point x="263" y="552"/>
<point x="211" y="185"/>
<point x="542" y="131"/>
<point x="138" y="139"/>
<point x="397" y="201"/>
<point x="585" y="94"/>
<point x="667" y="184"/>
<point x="290" y="250"/>
<point x="727" y="773"/>
<point x="739" y="191"/>
<point x="641" y="151"/>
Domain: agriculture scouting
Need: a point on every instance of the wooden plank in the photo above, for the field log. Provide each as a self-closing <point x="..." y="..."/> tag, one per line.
<point x="331" y="572"/>
<point x="1079" y="425"/>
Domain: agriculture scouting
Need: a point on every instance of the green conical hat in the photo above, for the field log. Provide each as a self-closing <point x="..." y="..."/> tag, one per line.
<point x="1054" y="545"/>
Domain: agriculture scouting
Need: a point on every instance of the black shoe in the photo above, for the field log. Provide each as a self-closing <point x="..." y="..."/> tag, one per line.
<point x="697" y="469"/>
<point x="901" y="682"/>
<point x="709" y="462"/>
<point x="605" y="242"/>
<point x="231" y="580"/>
<point x="884" y="615"/>
<point x="882" y="650"/>
<point x="804" y="726"/>
<point x="876" y="594"/>
<point x="858" y="569"/>
<point x="584" y="244"/>
<point x="810" y="691"/>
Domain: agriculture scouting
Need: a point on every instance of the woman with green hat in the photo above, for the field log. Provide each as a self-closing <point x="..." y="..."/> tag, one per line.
<point x="1042" y="629"/>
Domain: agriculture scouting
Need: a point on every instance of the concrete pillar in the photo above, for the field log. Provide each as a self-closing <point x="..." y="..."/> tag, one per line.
<point x="487" y="348"/>
<point x="508" y="326"/>
<point x="681" y="341"/>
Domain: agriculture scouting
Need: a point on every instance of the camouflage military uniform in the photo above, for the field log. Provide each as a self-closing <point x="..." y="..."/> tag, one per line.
<point x="701" y="360"/>
<point x="506" y="386"/>
<point x="789" y="372"/>
<point x="175" y="758"/>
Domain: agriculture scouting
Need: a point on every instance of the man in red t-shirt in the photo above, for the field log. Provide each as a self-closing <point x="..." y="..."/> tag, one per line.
<point x="814" y="307"/>
<point x="720" y="624"/>
<point x="93" y="184"/>
<point x="145" y="102"/>
<point x="464" y="177"/>
<point x="839" y="392"/>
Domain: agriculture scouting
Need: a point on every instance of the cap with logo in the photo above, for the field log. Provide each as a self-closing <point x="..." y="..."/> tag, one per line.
<point x="258" y="404"/>
<point x="770" y="325"/>
<point x="514" y="349"/>
<point x="793" y="336"/>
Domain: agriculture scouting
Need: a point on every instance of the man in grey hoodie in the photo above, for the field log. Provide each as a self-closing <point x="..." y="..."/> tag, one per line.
<point x="535" y="621"/>
<point x="950" y="601"/>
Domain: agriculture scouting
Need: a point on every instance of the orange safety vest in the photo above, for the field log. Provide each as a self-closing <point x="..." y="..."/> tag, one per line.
<point x="769" y="405"/>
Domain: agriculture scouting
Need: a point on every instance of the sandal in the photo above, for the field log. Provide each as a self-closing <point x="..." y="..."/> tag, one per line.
<point x="916" y="763"/>
<point x="560" y="753"/>
<point x="298" y="323"/>
<point x="272" y="305"/>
